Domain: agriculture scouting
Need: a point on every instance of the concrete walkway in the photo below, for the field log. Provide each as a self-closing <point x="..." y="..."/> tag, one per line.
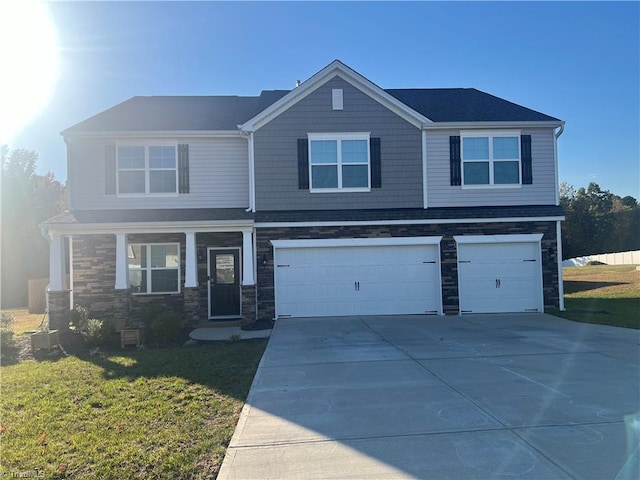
<point x="526" y="396"/>
<point x="226" y="333"/>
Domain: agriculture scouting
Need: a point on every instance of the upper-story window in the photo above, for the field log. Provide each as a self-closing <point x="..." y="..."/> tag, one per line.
<point x="339" y="162"/>
<point x="490" y="159"/>
<point x="147" y="169"/>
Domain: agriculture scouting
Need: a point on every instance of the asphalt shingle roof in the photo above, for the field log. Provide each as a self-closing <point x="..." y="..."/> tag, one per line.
<point x="206" y="113"/>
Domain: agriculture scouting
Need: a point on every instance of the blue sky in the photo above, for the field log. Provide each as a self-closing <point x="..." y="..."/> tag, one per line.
<point x="576" y="61"/>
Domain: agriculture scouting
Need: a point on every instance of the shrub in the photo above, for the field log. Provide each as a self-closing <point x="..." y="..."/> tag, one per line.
<point x="78" y="318"/>
<point x="98" y="332"/>
<point x="6" y="334"/>
<point x="166" y="326"/>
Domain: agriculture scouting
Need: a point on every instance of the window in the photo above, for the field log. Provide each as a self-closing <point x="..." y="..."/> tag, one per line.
<point x="154" y="268"/>
<point x="147" y="169"/>
<point x="490" y="159"/>
<point x="339" y="162"/>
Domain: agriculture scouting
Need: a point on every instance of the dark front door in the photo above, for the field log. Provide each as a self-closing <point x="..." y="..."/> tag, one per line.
<point x="224" y="283"/>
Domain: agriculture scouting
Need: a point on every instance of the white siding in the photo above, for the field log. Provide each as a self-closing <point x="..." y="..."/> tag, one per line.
<point x="442" y="194"/>
<point x="218" y="172"/>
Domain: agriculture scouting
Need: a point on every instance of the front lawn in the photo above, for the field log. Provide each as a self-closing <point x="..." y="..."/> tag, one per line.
<point x="605" y="294"/>
<point x="155" y="413"/>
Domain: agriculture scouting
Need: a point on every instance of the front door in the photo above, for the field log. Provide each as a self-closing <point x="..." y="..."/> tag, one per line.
<point x="224" y="283"/>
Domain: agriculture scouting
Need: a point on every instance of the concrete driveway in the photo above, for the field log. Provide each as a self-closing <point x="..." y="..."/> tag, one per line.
<point x="518" y="396"/>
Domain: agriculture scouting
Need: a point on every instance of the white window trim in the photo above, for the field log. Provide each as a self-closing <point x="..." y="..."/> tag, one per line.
<point x="146" y="144"/>
<point x="149" y="269"/>
<point x="338" y="137"/>
<point x="490" y="134"/>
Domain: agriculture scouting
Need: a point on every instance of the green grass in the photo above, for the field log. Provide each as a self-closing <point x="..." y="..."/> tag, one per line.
<point x="156" y="413"/>
<point x="604" y="294"/>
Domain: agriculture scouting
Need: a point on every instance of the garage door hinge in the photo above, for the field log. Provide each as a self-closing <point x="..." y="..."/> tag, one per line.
<point x="529" y="260"/>
<point x="466" y="311"/>
<point x="431" y="312"/>
<point x="530" y="309"/>
<point x="283" y="316"/>
<point x="464" y="261"/>
<point x="284" y="265"/>
<point x="430" y="262"/>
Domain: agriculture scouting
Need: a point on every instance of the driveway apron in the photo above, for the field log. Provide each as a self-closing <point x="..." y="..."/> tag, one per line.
<point x="513" y="396"/>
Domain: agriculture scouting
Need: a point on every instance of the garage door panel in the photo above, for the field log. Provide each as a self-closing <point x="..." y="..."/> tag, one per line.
<point x="501" y="277"/>
<point x="357" y="280"/>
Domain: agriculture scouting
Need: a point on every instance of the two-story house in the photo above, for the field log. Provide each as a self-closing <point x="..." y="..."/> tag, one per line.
<point x="335" y="198"/>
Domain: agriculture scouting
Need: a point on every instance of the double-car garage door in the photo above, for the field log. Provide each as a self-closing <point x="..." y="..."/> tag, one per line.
<point x="357" y="277"/>
<point x="340" y="277"/>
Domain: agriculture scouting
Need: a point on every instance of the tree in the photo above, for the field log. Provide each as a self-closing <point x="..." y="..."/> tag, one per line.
<point x="598" y="221"/>
<point x="28" y="199"/>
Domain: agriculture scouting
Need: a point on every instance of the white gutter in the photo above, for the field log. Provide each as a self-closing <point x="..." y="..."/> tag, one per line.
<point x="459" y="125"/>
<point x="156" y="134"/>
<point x="558" y="223"/>
<point x="555" y="161"/>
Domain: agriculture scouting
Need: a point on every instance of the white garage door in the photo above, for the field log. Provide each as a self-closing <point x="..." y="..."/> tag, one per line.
<point x="356" y="277"/>
<point x="499" y="276"/>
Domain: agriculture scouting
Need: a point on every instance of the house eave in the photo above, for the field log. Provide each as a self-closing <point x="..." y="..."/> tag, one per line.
<point x="147" y="227"/>
<point x="491" y="125"/>
<point x="154" y="134"/>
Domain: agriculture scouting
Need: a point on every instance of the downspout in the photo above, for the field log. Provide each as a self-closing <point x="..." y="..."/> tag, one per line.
<point x="558" y="226"/>
<point x="252" y="183"/>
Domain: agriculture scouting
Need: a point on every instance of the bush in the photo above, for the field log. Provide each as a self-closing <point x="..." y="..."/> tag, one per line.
<point x="78" y="318"/>
<point x="166" y="326"/>
<point x="98" y="332"/>
<point x="6" y="334"/>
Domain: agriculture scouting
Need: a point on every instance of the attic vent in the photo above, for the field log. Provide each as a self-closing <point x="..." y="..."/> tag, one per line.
<point x="336" y="98"/>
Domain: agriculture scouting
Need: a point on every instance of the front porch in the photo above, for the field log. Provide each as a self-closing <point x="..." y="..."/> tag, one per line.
<point x="205" y="273"/>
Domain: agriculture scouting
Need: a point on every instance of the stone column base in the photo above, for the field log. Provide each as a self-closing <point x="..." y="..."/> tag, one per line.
<point x="59" y="310"/>
<point x="249" y="304"/>
<point x="121" y="308"/>
<point x="191" y="307"/>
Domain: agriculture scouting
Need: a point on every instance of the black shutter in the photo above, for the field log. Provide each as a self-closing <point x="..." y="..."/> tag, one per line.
<point x="376" y="163"/>
<point x="303" y="164"/>
<point x="525" y="155"/>
<point x="110" y="169"/>
<point x="183" y="168"/>
<point x="454" y="160"/>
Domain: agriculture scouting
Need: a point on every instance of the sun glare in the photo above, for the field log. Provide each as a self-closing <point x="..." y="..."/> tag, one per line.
<point x="29" y="53"/>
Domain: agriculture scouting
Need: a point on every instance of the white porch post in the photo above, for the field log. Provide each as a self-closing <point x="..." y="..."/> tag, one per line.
<point x="57" y="281"/>
<point x="247" y="258"/>
<point x="122" y="270"/>
<point x="191" y="263"/>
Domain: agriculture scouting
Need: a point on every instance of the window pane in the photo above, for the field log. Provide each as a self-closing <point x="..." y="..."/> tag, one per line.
<point x="476" y="173"/>
<point x="355" y="176"/>
<point x="164" y="256"/>
<point x="130" y="157"/>
<point x="137" y="256"/>
<point x="354" y="151"/>
<point x="131" y="181"/>
<point x="162" y="181"/>
<point x="505" y="148"/>
<point x="225" y="268"/>
<point x="324" y="177"/>
<point x="138" y="280"/>
<point x="506" y="172"/>
<point x="324" y="151"/>
<point x="475" y="148"/>
<point x="164" y="280"/>
<point x="162" y="157"/>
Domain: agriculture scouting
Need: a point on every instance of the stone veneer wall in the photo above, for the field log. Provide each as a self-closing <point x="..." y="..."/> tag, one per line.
<point x="94" y="264"/>
<point x="265" y="280"/>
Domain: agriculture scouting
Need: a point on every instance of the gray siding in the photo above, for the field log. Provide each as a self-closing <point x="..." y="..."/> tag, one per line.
<point x="276" y="164"/>
<point x="441" y="194"/>
<point x="218" y="171"/>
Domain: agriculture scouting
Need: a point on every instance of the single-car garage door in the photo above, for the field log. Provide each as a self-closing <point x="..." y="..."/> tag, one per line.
<point x="499" y="273"/>
<point x="315" y="278"/>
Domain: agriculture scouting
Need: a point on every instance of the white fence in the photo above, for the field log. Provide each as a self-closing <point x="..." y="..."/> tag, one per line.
<point x="620" y="258"/>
